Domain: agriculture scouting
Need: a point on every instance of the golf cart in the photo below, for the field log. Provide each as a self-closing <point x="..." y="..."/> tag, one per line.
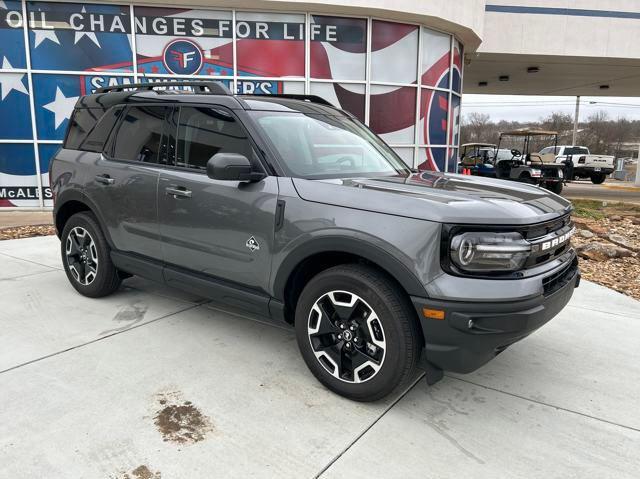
<point x="478" y="158"/>
<point x="530" y="167"/>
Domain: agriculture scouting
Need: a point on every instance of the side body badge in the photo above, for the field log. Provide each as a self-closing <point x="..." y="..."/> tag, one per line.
<point x="252" y="244"/>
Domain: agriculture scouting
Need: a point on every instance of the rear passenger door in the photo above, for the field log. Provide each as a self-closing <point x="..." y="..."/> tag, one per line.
<point x="207" y="228"/>
<point x="125" y="180"/>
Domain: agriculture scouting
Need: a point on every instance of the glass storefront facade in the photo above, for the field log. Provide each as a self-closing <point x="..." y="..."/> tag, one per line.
<point x="403" y="80"/>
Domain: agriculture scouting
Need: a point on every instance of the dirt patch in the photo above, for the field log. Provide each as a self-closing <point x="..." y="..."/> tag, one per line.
<point x="181" y="421"/>
<point x="16" y="232"/>
<point x="140" y="472"/>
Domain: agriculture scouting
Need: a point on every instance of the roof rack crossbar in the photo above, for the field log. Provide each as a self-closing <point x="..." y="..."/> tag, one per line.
<point x="211" y="87"/>
<point x="309" y="98"/>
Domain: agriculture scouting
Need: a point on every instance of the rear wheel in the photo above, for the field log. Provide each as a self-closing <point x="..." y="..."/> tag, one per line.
<point x="86" y="257"/>
<point x="357" y="332"/>
<point x="555" y="187"/>
<point x="526" y="178"/>
<point x="598" y="178"/>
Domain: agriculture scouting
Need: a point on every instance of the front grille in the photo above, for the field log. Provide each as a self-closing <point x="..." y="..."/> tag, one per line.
<point x="545" y="233"/>
<point x="542" y="229"/>
<point x="558" y="280"/>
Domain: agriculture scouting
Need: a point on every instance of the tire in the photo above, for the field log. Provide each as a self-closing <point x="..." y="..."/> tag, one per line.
<point x="385" y="342"/>
<point x="598" y="178"/>
<point x="555" y="187"/>
<point x="526" y="178"/>
<point x="86" y="257"/>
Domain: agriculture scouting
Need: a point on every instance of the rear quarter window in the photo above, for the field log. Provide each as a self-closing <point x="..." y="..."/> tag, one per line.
<point x="90" y="128"/>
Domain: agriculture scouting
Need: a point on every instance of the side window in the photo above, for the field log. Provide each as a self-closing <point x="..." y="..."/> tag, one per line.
<point x="82" y="123"/>
<point x="97" y="138"/>
<point x="205" y="131"/>
<point x="139" y="134"/>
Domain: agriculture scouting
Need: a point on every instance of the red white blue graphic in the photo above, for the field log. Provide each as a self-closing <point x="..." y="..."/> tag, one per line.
<point x="79" y="37"/>
<point x="182" y="57"/>
<point x="56" y="95"/>
<point x="12" y="35"/>
<point x="18" y="178"/>
<point x="93" y="45"/>
<point x="15" y="113"/>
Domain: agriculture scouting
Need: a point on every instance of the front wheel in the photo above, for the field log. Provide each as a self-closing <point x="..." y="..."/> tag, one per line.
<point x="86" y="257"/>
<point x="357" y="332"/>
<point x="598" y="178"/>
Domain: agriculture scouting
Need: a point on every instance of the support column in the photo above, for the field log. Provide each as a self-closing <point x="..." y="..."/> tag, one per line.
<point x="575" y="122"/>
<point x="638" y="168"/>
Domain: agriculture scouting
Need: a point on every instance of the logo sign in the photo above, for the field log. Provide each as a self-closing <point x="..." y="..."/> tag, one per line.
<point x="182" y="57"/>
<point x="557" y="241"/>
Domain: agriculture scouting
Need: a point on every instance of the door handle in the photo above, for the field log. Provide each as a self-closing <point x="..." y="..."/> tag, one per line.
<point x="104" y="179"/>
<point x="178" y="192"/>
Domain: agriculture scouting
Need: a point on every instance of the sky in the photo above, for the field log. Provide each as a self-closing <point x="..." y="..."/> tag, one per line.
<point x="528" y="108"/>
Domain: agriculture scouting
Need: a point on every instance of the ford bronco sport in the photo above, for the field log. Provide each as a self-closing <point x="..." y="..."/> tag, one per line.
<point x="290" y="209"/>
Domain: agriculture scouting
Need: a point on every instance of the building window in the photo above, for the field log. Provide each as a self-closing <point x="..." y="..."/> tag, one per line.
<point x="403" y="80"/>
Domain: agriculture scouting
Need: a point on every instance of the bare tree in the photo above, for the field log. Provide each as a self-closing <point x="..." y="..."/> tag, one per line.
<point x="478" y="127"/>
<point x="599" y="132"/>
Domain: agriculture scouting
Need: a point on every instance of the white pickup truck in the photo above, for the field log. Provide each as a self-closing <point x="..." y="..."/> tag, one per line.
<point x="585" y="165"/>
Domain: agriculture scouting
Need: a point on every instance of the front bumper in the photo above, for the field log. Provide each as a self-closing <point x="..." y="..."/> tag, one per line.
<point x="471" y="334"/>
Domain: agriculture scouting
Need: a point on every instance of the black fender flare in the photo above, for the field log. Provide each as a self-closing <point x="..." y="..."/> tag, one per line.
<point x="77" y="195"/>
<point x="351" y="245"/>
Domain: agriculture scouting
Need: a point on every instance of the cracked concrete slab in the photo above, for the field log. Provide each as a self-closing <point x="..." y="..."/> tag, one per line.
<point x="150" y="379"/>
<point x="95" y="410"/>
<point x="42" y="314"/>
<point x="456" y="429"/>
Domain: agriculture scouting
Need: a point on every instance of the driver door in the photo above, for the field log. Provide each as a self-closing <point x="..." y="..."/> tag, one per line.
<point x="206" y="225"/>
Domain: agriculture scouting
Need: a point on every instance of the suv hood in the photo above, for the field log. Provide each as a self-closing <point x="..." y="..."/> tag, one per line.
<point x="441" y="197"/>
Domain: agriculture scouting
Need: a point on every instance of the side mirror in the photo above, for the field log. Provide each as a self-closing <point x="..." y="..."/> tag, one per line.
<point x="231" y="167"/>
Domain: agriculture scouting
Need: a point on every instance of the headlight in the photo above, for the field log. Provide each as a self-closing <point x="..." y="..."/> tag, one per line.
<point x="486" y="251"/>
<point x="560" y="174"/>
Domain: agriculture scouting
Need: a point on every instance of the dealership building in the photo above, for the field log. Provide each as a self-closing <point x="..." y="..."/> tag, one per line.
<point x="398" y="66"/>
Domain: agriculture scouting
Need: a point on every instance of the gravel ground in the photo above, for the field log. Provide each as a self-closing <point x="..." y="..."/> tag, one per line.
<point x="609" y="248"/>
<point x="16" y="232"/>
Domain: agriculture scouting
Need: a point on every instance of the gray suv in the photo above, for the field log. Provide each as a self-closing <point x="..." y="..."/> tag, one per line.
<point x="289" y="209"/>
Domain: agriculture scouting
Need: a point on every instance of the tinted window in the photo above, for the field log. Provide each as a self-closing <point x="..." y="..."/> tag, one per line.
<point x="97" y="138"/>
<point x="139" y="134"/>
<point x="203" y="132"/>
<point x="82" y="123"/>
<point x="576" y="150"/>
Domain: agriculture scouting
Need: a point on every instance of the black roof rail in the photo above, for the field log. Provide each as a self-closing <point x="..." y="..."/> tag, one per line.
<point x="213" y="87"/>
<point x="294" y="96"/>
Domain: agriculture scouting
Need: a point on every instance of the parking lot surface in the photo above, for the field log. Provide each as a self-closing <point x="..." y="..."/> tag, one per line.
<point x="152" y="382"/>
<point x="612" y="190"/>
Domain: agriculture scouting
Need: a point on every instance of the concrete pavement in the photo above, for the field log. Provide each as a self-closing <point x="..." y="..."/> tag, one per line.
<point x="155" y="382"/>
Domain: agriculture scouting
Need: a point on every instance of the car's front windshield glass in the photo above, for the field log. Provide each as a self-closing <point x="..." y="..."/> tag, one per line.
<point x="324" y="146"/>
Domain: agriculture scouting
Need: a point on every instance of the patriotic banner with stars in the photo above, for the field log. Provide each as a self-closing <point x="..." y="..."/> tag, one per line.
<point x="78" y="37"/>
<point x="75" y="48"/>
<point x="18" y="177"/>
<point x="11" y="34"/>
<point x="15" y="112"/>
<point x="184" y="42"/>
<point x="56" y="95"/>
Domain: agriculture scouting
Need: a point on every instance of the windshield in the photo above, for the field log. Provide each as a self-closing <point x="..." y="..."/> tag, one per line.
<point x="322" y="146"/>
